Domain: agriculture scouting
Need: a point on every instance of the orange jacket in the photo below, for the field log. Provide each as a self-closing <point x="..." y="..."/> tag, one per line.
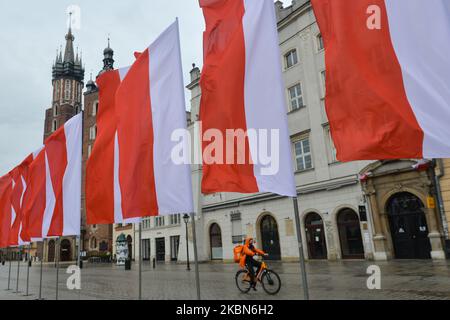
<point x="246" y="251"/>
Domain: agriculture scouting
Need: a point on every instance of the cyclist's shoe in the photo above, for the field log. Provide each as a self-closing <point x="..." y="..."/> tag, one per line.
<point x="254" y="286"/>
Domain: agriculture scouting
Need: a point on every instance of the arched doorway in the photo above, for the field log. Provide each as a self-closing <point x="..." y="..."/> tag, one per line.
<point x="51" y="251"/>
<point x="130" y="247"/>
<point x="215" y="237"/>
<point x="350" y="235"/>
<point x="409" y="229"/>
<point x="315" y="236"/>
<point x="270" y="238"/>
<point x="66" y="252"/>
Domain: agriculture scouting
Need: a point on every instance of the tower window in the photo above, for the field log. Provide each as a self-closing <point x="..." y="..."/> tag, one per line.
<point x="55" y="110"/>
<point x="95" y="108"/>
<point x="54" y="125"/>
<point x="67" y="90"/>
<point x="93" y="132"/>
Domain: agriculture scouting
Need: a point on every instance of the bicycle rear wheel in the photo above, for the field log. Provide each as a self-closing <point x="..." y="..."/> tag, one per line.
<point x="271" y="282"/>
<point x="243" y="281"/>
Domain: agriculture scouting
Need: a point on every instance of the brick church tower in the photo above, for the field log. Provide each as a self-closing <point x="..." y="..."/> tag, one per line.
<point x="67" y="81"/>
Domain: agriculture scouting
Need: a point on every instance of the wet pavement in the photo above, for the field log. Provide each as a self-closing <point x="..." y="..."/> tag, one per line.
<point x="344" y="280"/>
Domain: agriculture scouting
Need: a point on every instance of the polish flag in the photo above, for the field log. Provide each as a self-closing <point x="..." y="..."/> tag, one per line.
<point x="243" y="89"/>
<point x="5" y="209"/>
<point x="103" y="197"/>
<point x="150" y="107"/>
<point x="53" y="208"/>
<point x="34" y="199"/>
<point x="19" y="177"/>
<point x="388" y="77"/>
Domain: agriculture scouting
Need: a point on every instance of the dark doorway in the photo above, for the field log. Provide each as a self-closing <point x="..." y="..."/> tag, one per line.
<point x="130" y="247"/>
<point x="51" y="251"/>
<point x="66" y="252"/>
<point x="315" y="236"/>
<point x="160" y="249"/>
<point x="145" y="249"/>
<point x="409" y="229"/>
<point x="174" y="245"/>
<point x="270" y="238"/>
<point x="215" y="242"/>
<point x="350" y="235"/>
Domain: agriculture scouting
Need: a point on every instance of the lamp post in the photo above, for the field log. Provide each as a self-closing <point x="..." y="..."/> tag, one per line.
<point x="186" y="220"/>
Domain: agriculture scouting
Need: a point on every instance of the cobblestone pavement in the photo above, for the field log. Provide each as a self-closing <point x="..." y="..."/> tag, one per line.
<point x="327" y="280"/>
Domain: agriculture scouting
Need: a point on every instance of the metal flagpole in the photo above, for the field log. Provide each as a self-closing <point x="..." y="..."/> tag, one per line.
<point x="40" y="276"/>
<point x="28" y="270"/>
<point x="8" y="253"/>
<point x="300" y="248"/>
<point x="140" y="260"/>
<point x="58" y="242"/>
<point x="194" y="240"/>
<point x="18" y="272"/>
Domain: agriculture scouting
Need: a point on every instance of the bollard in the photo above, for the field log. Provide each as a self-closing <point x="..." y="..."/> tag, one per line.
<point x="154" y="263"/>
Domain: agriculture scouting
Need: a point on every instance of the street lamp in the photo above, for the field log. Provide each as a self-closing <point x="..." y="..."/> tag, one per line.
<point x="186" y="221"/>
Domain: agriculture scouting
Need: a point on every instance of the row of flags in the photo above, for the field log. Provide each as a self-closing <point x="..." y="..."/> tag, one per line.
<point x="388" y="93"/>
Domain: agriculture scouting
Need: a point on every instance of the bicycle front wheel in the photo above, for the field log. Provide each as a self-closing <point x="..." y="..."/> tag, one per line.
<point x="271" y="282"/>
<point x="243" y="281"/>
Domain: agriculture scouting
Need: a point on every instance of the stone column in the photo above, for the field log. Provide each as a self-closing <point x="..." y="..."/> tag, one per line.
<point x="379" y="239"/>
<point x="437" y="251"/>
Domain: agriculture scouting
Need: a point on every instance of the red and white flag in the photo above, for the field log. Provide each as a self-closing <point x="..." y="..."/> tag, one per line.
<point x="5" y="210"/>
<point x="388" y="77"/>
<point x="19" y="186"/>
<point x="243" y="90"/>
<point x="103" y="196"/>
<point x="53" y="205"/>
<point x="150" y="107"/>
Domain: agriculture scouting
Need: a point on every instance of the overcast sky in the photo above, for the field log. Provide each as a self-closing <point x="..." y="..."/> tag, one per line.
<point x="32" y="31"/>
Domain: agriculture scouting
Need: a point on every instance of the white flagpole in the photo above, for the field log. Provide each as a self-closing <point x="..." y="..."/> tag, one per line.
<point x="58" y="245"/>
<point x="28" y="270"/>
<point x="140" y="260"/>
<point x="8" y="253"/>
<point x="18" y="272"/>
<point x="300" y="248"/>
<point x="40" y="276"/>
<point x="194" y="240"/>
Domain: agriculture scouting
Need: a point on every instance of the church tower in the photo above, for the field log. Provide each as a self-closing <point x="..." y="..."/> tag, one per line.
<point x="67" y="81"/>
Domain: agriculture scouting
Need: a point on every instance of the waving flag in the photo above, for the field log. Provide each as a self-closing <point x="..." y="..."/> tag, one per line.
<point x="5" y="210"/>
<point x="388" y="77"/>
<point x="103" y="197"/>
<point x="243" y="90"/>
<point x="150" y="106"/>
<point x="19" y="176"/>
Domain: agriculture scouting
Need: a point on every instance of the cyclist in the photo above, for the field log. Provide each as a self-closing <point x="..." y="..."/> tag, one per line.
<point x="248" y="252"/>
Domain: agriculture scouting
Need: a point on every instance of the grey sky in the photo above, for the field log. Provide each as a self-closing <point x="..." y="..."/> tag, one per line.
<point x="32" y="31"/>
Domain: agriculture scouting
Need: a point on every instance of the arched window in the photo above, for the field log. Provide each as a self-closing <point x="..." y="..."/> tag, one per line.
<point x="215" y="235"/>
<point x="67" y="90"/>
<point x="93" y="243"/>
<point x="55" y="110"/>
<point x="95" y="108"/>
<point x="54" y="125"/>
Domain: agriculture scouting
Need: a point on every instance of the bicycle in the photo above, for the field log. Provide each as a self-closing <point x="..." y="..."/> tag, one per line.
<point x="268" y="278"/>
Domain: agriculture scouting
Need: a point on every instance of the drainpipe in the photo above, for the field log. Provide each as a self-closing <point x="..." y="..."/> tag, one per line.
<point x="440" y="202"/>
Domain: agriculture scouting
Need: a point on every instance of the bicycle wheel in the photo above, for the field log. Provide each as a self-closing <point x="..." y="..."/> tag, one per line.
<point x="243" y="281"/>
<point x="271" y="282"/>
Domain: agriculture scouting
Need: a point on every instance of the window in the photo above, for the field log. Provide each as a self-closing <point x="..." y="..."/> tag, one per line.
<point x="175" y="219"/>
<point x="89" y="150"/>
<point x="55" y="110"/>
<point x="93" y="243"/>
<point x="296" y="97"/>
<point x="303" y="156"/>
<point x="146" y="223"/>
<point x="54" y="125"/>
<point x="93" y="132"/>
<point x="67" y="90"/>
<point x="320" y="45"/>
<point x="159" y="222"/>
<point x="236" y="227"/>
<point x="323" y="78"/>
<point x="291" y="58"/>
<point x="95" y="108"/>
<point x="330" y="144"/>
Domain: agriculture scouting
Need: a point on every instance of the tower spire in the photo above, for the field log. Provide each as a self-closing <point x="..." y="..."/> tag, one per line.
<point x="69" y="55"/>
